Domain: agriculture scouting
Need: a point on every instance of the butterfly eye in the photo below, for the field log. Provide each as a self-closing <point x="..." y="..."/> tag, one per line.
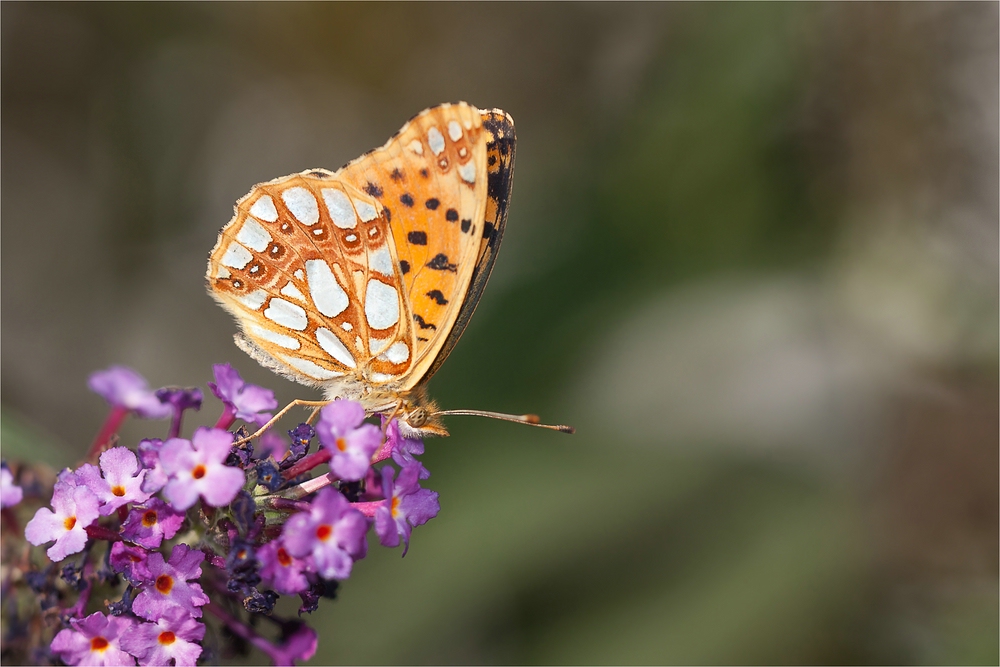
<point x="417" y="417"/>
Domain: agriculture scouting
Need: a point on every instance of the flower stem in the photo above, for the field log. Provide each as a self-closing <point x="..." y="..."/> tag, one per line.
<point x="369" y="508"/>
<point x="110" y="427"/>
<point x="98" y="532"/>
<point x="227" y="418"/>
<point x="307" y="463"/>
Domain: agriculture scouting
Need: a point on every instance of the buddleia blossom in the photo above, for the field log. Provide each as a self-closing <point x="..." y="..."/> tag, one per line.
<point x="197" y="467"/>
<point x="117" y="482"/>
<point x="169" y="586"/>
<point x="285" y="533"/>
<point x="174" y="636"/>
<point x="10" y="493"/>
<point x="350" y="441"/>
<point x="94" y="640"/>
<point x="123" y="387"/>
<point x="74" y="508"/>
<point x="406" y="505"/>
<point x="331" y="532"/>
<point x="151" y="523"/>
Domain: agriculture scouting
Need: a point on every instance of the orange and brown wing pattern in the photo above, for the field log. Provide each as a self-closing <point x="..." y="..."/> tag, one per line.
<point x="308" y="268"/>
<point x="431" y="180"/>
<point x="500" y="144"/>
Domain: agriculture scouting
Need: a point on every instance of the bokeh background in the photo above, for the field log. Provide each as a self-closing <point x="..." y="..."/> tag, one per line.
<point x="752" y="256"/>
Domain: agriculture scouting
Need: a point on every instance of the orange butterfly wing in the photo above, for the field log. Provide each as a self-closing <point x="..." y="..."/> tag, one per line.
<point x="365" y="278"/>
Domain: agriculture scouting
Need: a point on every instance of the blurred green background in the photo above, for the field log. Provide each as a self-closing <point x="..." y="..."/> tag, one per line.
<point x="752" y="256"/>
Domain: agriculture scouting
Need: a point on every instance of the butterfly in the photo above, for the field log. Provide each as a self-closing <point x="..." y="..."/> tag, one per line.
<point x="360" y="282"/>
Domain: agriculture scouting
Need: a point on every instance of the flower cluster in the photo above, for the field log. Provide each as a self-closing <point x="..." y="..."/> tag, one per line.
<point x="178" y="531"/>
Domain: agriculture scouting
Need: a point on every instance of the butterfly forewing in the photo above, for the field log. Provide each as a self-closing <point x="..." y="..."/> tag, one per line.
<point x="365" y="278"/>
<point x="431" y="180"/>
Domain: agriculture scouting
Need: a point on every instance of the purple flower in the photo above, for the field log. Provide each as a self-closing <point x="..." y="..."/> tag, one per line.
<point x="75" y="509"/>
<point x="123" y="387"/>
<point x="152" y="523"/>
<point x="130" y="561"/>
<point x="406" y="505"/>
<point x="244" y="401"/>
<point x="180" y="398"/>
<point x="301" y="645"/>
<point x="10" y="493"/>
<point x="94" y="640"/>
<point x="168" y="586"/>
<point x="197" y="467"/>
<point x="173" y="636"/>
<point x="120" y="483"/>
<point x="331" y="531"/>
<point x="284" y="572"/>
<point x="404" y="449"/>
<point x="350" y="442"/>
<point x="149" y="456"/>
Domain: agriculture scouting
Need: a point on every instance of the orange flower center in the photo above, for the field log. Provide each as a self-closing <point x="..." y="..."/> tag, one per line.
<point x="167" y="638"/>
<point x="323" y="532"/>
<point x="98" y="644"/>
<point x="283" y="556"/>
<point x="341" y="444"/>
<point x="198" y="472"/>
<point x="149" y="518"/>
<point x="118" y="490"/>
<point x="69" y="522"/>
<point x="164" y="583"/>
<point x="394" y="505"/>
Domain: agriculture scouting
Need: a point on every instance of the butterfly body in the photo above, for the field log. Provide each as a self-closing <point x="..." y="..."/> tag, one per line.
<point x="359" y="282"/>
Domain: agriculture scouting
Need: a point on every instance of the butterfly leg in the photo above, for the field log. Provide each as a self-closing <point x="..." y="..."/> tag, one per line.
<point x="313" y="415"/>
<point x="281" y="413"/>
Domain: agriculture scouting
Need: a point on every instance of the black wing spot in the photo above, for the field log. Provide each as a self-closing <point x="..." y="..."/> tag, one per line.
<point x="406" y="198"/>
<point x="466" y="224"/>
<point x="491" y="160"/>
<point x="318" y="174"/>
<point x="488" y="230"/>
<point x="417" y="238"/>
<point x="424" y="172"/>
<point x="423" y="339"/>
<point x="396" y="174"/>
<point x="438" y="297"/>
<point x="432" y="204"/>
<point x="423" y="325"/>
<point x="440" y="263"/>
<point x="373" y="189"/>
<point x="388" y="213"/>
<point x="404" y="266"/>
<point x="451" y="215"/>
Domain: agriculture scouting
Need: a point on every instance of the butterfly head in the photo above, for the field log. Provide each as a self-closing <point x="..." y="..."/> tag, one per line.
<point x="418" y="417"/>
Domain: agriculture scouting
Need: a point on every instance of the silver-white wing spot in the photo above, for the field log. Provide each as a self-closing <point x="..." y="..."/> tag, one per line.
<point x="366" y="211"/>
<point x="302" y="205"/>
<point x="332" y="346"/>
<point x="329" y="297"/>
<point x="255" y="299"/>
<point x="314" y="371"/>
<point x="454" y="130"/>
<point x="397" y="353"/>
<point x="274" y="337"/>
<point x="416" y="147"/>
<point x="339" y="205"/>
<point x="381" y="261"/>
<point x="291" y="290"/>
<point x="286" y="314"/>
<point x="435" y="140"/>
<point x="376" y="345"/>
<point x="252" y="235"/>
<point x="236" y="256"/>
<point x="468" y="172"/>
<point x="381" y="377"/>
<point x="264" y="209"/>
<point x="381" y="305"/>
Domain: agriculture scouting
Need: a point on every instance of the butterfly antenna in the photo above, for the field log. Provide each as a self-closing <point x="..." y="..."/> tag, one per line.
<point x="530" y="420"/>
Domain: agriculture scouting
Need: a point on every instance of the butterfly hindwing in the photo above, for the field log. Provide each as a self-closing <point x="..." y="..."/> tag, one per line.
<point x="431" y="178"/>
